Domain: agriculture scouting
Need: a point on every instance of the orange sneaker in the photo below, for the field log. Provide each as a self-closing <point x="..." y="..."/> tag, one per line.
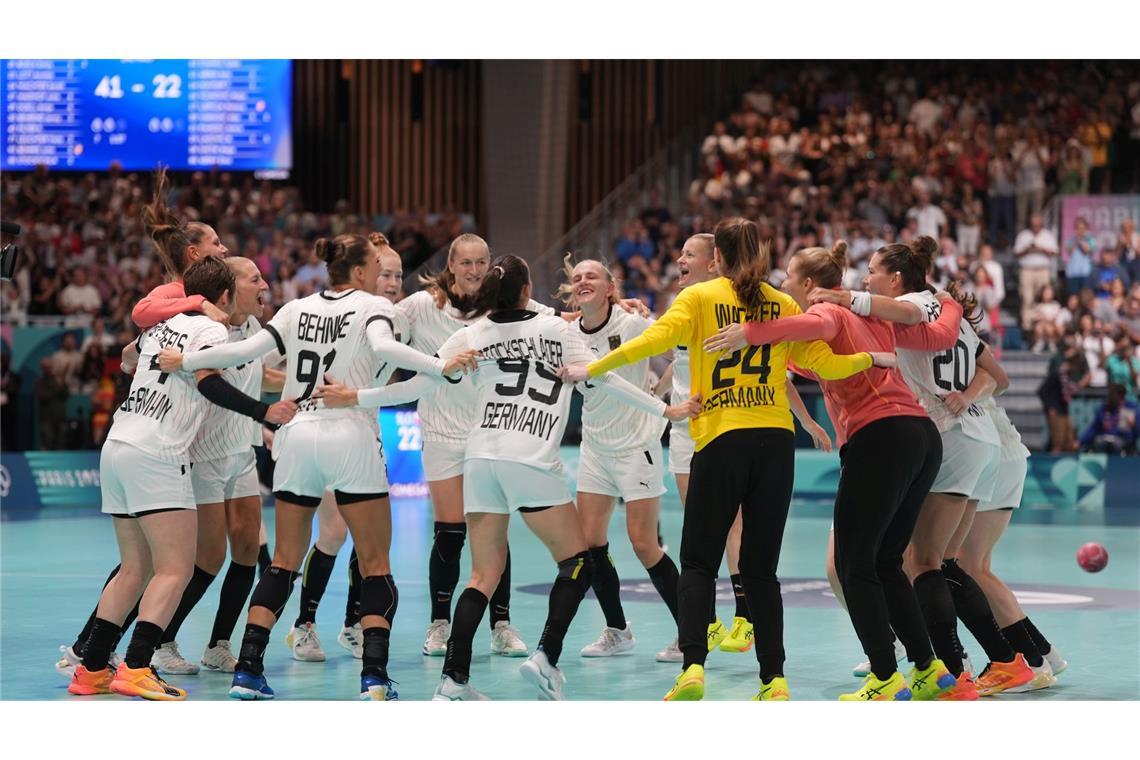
<point x="965" y="690"/>
<point x="86" y="682"/>
<point x="1003" y="676"/>
<point x="145" y="683"/>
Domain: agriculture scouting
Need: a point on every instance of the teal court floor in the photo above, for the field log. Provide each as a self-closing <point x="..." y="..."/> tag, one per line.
<point x="51" y="570"/>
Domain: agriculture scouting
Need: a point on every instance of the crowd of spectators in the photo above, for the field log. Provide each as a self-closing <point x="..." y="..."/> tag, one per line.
<point x="86" y="257"/>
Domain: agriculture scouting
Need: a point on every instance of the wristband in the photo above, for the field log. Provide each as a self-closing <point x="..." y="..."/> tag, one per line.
<point x="861" y="303"/>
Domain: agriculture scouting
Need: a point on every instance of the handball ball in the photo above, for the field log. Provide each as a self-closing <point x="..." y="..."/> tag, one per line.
<point x="1092" y="557"/>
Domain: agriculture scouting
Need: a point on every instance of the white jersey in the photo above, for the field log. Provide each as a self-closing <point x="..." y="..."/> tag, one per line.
<point x="1012" y="447"/>
<point x="402" y="333"/>
<point x="933" y="375"/>
<point x="448" y="413"/>
<point x="327" y="333"/>
<point x="610" y="425"/>
<point x="680" y="375"/>
<point x="162" y="412"/>
<point x="521" y="405"/>
<point x="224" y="433"/>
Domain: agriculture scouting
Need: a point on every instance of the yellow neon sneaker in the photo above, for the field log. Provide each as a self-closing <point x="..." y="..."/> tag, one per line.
<point x="717" y="634"/>
<point x="775" y="690"/>
<point x="894" y="689"/>
<point x="932" y="682"/>
<point x="689" y="686"/>
<point x="86" y="682"/>
<point x="145" y="683"/>
<point x="740" y="639"/>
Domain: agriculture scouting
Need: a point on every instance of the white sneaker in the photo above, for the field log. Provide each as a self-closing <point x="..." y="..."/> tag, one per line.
<point x="68" y="662"/>
<point x="220" y="657"/>
<point x="305" y="644"/>
<point x="1056" y="662"/>
<point x="167" y="659"/>
<point x="671" y="653"/>
<point x="352" y="638"/>
<point x="549" y="679"/>
<point x="968" y="666"/>
<point x="863" y="669"/>
<point x="505" y="640"/>
<point x="435" y="645"/>
<point x="450" y="691"/>
<point x="612" y="641"/>
<point x="1043" y="678"/>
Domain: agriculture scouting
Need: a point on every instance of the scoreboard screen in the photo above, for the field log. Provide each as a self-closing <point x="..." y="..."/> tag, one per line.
<point x="185" y="114"/>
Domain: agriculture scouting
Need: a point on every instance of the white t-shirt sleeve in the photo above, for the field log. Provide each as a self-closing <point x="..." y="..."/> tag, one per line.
<point x="456" y="344"/>
<point x="541" y="308"/>
<point x="213" y="334"/>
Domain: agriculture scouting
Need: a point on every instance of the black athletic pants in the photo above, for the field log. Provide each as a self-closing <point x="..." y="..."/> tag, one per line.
<point x="752" y="469"/>
<point x="887" y="470"/>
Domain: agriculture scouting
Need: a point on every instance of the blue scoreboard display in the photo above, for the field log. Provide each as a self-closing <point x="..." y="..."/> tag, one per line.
<point x="185" y="114"/>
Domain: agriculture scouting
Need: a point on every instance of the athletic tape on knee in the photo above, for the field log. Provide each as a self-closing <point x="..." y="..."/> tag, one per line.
<point x="449" y="540"/>
<point x="379" y="596"/>
<point x="273" y="590"/>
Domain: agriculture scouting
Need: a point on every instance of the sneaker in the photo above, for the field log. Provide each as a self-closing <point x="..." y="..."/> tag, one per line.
<point x="894" y="689"/>
<point x="967" y="665"/>
<point x="85" y="682"/>
<point x="963" y="690"/>
<point x="775" y="690"/>
<point x="1004" y="676"/>
<point x="930" y="683"/>
<point x="145" y="683"/>
<point x="220" y="657"/>
<point x="68" y="662"/>
<point x="247" y="686"/>
<point x="114" y="661"/>
<point x="1043" y="678"/>
<point x="352" y="638"/>
<point x="435" y="645"/>
<point x="740" y="638"/>
<point x="863" y="669"/>
<point x="1056" y="661"/>
<point x="451" y="691"/>
<point x="305" y="644"/>
<point x="548" y="678"/>
<point x="689" y="686"/>
<point x="378" y="689"/>
<point x="671" y="653"/>
<point x="717" y="634"/>
<point x="612" y="641"/>
<point x="505" y="640"/>
<point x="167" y="659"/>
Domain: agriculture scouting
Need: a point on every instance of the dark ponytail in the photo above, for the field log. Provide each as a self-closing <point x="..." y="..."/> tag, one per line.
<point x="341" y="254"/>
<point x="502" y="287"/>
<point x="165" y="229"/>
<point x="911" y="261"/>
<point x="746" y="260"/>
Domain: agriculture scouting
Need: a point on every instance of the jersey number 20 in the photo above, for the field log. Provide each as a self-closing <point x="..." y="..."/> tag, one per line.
<point x="956" y="363"/>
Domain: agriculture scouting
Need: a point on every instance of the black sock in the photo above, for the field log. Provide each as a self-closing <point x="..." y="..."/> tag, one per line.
<point x="469" y="610"/>
<point x="85" y="634"/>
<point x="143" y="643"/>
<point x="1019" y="639"/>
<point x="252" y="655"/>
<point x="130" y="618"/>
<point x="99" y="645"/>
<point x="1043" y="645"/>
<point x="264" y="559"/>
<point x="443" y="566"/>
<point x="191" y="595"/>
<point x="501" y="600"/>
<point x="712" y="605"/>
<point x="574" y="578"/>
<point x="375" y="662"/>
<point x="974" y="610"/>
<point x="235" y="591"/>
<point x="665" y="577"/>
<point x="352" y="606"/>
<point x="318" y="570"/>
<point x="941" y="618"/>
<point x="607" y="586"/>
<point x="741" y="599"/>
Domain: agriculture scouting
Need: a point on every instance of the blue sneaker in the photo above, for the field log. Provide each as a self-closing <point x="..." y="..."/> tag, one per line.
<point x="248" y="686"/>
<point x="377" y="688"/>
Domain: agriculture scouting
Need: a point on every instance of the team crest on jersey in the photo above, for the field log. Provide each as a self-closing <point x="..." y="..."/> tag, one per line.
<point x="615" y="341"/>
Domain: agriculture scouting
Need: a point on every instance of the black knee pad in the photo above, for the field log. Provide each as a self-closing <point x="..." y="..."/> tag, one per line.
<point x="578" y="569"/>
<point x="601" y="554"/>
<point x="449" y="539"/>
<point x="379" y="596"/>
<point x="273" y="590"/>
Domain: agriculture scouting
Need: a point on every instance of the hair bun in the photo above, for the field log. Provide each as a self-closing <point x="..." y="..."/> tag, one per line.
<point x="923" y="249"/>
<point x="325" y="249"/>
<point x="839" y="253"/>
<point x="378" y="239"/>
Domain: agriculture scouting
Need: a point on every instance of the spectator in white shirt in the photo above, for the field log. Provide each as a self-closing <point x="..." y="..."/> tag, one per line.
<point x="931" y="220"/>
<point x="1035" y="250"/>
<point x="1030" y="161"/>
<point x="80" y="296"/>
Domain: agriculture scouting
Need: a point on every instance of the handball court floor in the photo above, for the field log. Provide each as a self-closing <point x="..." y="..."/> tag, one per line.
<point x="52" y="567"/>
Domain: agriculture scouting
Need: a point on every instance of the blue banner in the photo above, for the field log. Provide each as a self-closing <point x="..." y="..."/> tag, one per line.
<point x="400" y="431"/>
